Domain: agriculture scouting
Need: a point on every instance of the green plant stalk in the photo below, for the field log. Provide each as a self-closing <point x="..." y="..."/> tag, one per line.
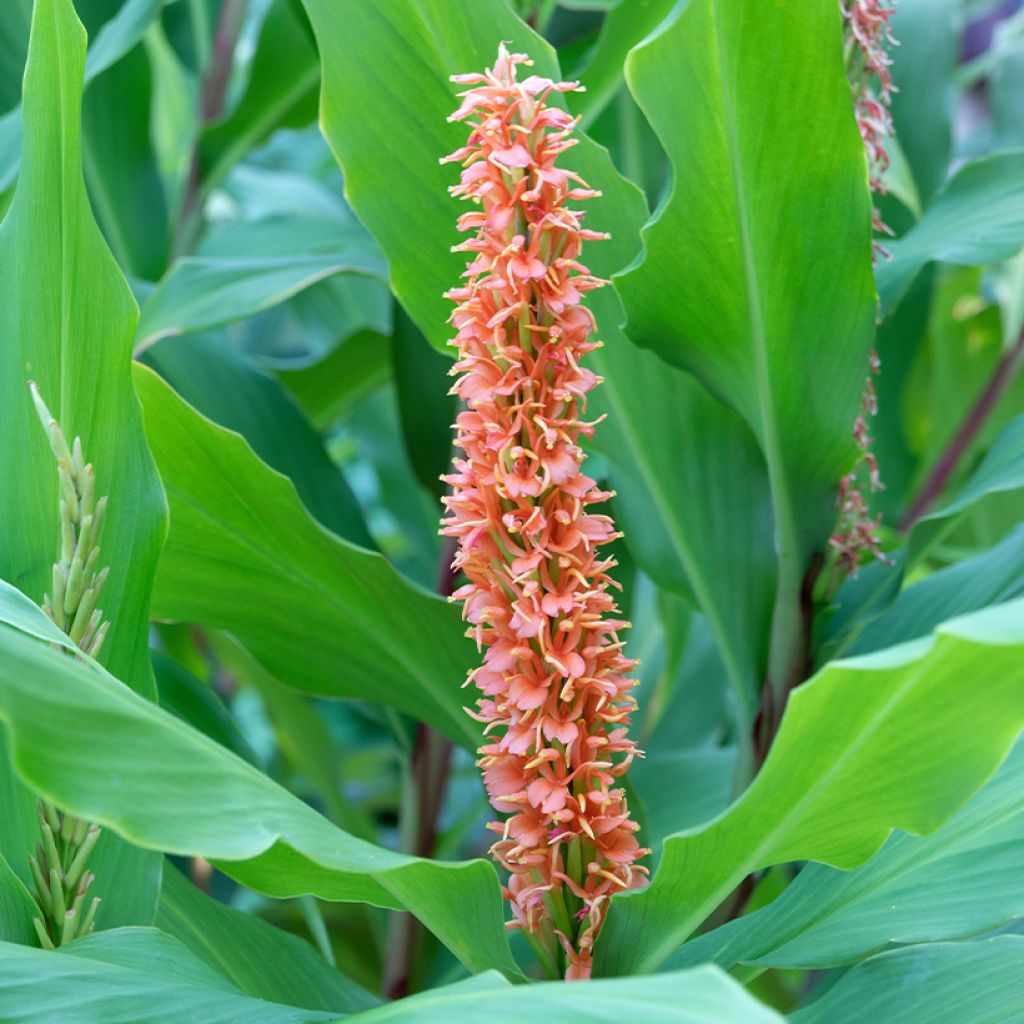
<point x="60" y="874"/>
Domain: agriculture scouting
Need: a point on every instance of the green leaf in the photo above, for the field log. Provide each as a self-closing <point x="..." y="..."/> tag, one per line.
<point x="829" y="917"/>
<point x="389" y="147"/>
<point x="66" y="319"/>
<point x="353" y="369"/>
<point x="928" y="32"/>
<point x="218" y="381"/>
<point x="977" y="218"/>
<point x="252" y="267"/>
<point x="948" y="983"/>
<point x="17" y="908"/>
<point x="965" y="586"/>
<point x="129" y="976"/>
<point x="195" y="703"/>
<point x="759" y="287"/>
<point x="601" y="73"/>
<point x="281" y="92"/>
<point x="827" y="791"/>
<point x="700" y="996"/>
<point x="321" y="614"/>
<point x="247" y="825"/>
<point x="261" y="960"/>
<point x="114" y="39"/>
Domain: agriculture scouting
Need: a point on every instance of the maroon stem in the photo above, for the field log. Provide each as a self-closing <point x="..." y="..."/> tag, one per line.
<point x="1004" y="373"/>
<point x="212" y="97"/>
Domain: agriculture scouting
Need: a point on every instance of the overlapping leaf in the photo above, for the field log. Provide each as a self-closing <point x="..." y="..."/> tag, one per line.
<point x="890" y="740"/>
<point x="249" y="826"/>
<point x="320" y="613"/>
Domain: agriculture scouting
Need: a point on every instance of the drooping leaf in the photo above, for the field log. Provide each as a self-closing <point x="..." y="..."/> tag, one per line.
<point x="700" y="996"/>
<point x="829" y="917"/>
<point x="321" y="614"/>
<point x="828" y="791"/>
<point x="976" y="218"/>
<point x="756" y="275"/>
<point x="129" y="976"/>
<point x="247" y="825"/>
<point x="389" y="148"/>
<point x="218" y="381"/>
<point x="250" y="268"/>
<point x="66" y="319"/>
<point x="261" y="960"/>
<point x="945" y="983"/>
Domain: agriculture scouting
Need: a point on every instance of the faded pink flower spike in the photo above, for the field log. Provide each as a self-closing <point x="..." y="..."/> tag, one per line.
<point x="556" y="695"/>
<point x="868" y="36"/>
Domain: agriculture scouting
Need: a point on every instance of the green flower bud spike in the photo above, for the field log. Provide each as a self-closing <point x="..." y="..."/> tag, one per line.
<point x="60" y="875"/>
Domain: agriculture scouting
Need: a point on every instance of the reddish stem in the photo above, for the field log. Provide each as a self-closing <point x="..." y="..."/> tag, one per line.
<point x="965" y="436"/>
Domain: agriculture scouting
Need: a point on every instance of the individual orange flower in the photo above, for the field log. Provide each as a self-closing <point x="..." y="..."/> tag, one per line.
<point x="555" y="688"/>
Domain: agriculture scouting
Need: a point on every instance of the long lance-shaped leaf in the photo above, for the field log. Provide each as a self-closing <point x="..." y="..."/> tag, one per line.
<point x="896" y="739"/>
<point x="81" y="738"/>
<point x="828" y="917"/>
<point x="128" y="976"/>
<point x="945" y="983"/>
<point x="66" y="320"/>
<point x="320" y="613"/>
<point x="683" y="517"/>
<point x="757" y="271"/>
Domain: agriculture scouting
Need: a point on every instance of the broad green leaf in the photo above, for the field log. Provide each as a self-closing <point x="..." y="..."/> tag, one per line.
<point x="248" y="826"/>
<point x="130" y="976"/>
<point x="977" y="218"/>
<point x="281" y="92"/>
<point x="700" y="996"/>
<point x="197" y="704"/>
<point x="218" y="381"/>
<point x="354" y="368"/>
<point x="320" y="613"/>
<point x="756" y="275"/>
<point x="243" y="270"/>
<point x="1000" y="471"/>
<point x="426" y="410"/>
<point x="829" y="917"/>
<point x="389" y="146"/>
<point x="261" y="960"/>
<point x="601" y="73"/>
<point x="114" y="39"/>
<point x="928" y="32"/>
<point x="965" y="586"/>
<point x="14" y="30"/>
<point x="864" y="599"/>
<point x="945" y="983"/>
<point x="121" y="168"/>
<point x="66" y="320"/>
<point x="828" y="790"/>
<point x="17" y="908"/>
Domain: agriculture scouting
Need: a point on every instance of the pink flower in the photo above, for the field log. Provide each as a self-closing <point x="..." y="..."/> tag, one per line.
<point x="556" y="692"/>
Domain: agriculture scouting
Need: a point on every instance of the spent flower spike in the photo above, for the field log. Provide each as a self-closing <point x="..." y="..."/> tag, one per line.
<point x="868" y="36"/>
<point x="60" y="876"/>
<point x="556" y="695"/>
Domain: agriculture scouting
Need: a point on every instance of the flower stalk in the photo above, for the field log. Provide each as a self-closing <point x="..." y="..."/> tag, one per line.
<point x="60" y="875"/>
<point x="556" y="694"/>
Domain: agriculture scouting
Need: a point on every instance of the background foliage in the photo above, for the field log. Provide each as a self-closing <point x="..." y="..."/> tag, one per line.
<point x="246" y="197"/>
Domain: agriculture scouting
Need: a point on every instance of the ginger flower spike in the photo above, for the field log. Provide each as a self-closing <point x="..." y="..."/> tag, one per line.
<point x="556" y="692"/>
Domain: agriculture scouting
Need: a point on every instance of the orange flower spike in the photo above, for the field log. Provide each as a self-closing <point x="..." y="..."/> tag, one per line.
<point x="556" y="691"/>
